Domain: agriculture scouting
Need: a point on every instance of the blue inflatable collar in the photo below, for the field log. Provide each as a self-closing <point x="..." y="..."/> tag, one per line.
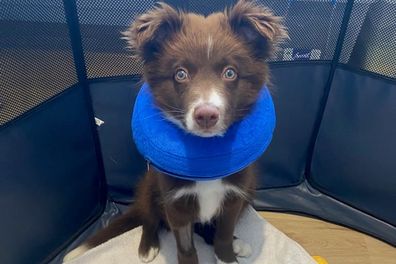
<point x="175" y="152"/>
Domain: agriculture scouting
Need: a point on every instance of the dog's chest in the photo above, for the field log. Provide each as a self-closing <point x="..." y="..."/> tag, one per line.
<point x="210" y="196"/>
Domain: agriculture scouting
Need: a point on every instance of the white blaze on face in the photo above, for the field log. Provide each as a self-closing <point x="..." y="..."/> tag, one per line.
<point x="214" y="99"/>
<point x="210" y="45"/>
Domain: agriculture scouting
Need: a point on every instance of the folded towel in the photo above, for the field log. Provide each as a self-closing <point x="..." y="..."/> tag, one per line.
<point x="269" y="246"/>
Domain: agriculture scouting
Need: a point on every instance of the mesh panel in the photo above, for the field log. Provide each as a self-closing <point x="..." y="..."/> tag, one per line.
<point x="313" y="28"/>
<point x="206" y="7"/>
<point x="101" y="23"/>
<point x="35" y="58"/>
<point x="370" y="42"/>
<point x="313" y="25"/>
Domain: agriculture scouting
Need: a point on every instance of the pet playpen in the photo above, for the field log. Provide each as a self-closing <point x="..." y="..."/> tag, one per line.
<point x="63" y="63"/>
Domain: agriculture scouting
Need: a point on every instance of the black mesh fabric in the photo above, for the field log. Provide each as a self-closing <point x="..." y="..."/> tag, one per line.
<point x="370" y="42"/>
<point x="313" y="25"/>
<point x="101" y="25"/>
<point x="36" y="60"/>
<point x="313" y="28"/>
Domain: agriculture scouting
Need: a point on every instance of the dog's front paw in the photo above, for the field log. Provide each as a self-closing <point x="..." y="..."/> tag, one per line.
<point x="241" y="248"/>
<point x="149" y="255"/>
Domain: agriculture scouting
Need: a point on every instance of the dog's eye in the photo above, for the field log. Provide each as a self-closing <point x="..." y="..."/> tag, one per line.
<point x="181" y="75"/>
<point x="229" y="74"/>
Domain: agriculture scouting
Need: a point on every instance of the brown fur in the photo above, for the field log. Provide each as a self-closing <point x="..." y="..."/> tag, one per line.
<point x="152" y="207"/>
<point x="243" y="36"/>
<point x="165" y="39"/>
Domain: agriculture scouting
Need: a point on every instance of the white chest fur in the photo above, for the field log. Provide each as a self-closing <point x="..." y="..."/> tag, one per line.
<point x="210" y="196"/>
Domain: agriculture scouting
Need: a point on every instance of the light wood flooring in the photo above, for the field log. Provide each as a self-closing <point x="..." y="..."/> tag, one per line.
<point x="337" y="244"/>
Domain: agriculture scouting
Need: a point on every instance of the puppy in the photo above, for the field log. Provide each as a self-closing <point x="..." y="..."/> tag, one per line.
<point x="205" y="73"/>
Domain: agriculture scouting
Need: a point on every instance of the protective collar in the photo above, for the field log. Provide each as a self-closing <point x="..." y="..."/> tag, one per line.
<point x="177" y="153"/>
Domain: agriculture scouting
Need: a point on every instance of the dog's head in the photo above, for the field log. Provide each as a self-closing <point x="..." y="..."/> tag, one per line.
<point x="206" y="72"/>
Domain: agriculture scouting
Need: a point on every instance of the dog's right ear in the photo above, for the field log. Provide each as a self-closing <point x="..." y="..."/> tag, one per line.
<point x="149" y="31"/>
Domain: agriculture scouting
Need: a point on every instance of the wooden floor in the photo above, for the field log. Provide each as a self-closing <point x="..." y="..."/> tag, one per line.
<point x="338" y="245"/>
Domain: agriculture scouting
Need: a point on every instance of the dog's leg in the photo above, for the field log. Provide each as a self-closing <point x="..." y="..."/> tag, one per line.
<point x="186" y="252"/>
<point x="149" y="242"/>
<point x="182" y="228"/>
<point x="225" y="225"/>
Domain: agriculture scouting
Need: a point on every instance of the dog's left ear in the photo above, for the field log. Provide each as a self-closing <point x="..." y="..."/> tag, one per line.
<point x="257" y="26"/>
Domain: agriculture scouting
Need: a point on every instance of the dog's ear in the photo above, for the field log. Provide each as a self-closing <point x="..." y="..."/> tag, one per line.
<point x="257" y="26"/>
<point x="149" y="31"/>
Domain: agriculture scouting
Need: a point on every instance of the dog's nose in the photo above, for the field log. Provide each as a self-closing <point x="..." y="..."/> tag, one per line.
<point x="206" y="115"/>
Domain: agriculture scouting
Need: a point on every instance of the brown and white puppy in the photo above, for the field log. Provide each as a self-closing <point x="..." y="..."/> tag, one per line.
<point x="205" y="74"/>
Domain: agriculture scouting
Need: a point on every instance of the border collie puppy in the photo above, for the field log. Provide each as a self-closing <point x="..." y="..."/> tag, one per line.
<point x="205" y="73"/>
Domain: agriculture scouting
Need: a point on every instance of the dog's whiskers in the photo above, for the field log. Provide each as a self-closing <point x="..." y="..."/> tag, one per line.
<point x="172" y="107"/>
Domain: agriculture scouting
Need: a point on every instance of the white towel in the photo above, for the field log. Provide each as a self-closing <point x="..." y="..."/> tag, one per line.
<point x="269" y="245"/>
